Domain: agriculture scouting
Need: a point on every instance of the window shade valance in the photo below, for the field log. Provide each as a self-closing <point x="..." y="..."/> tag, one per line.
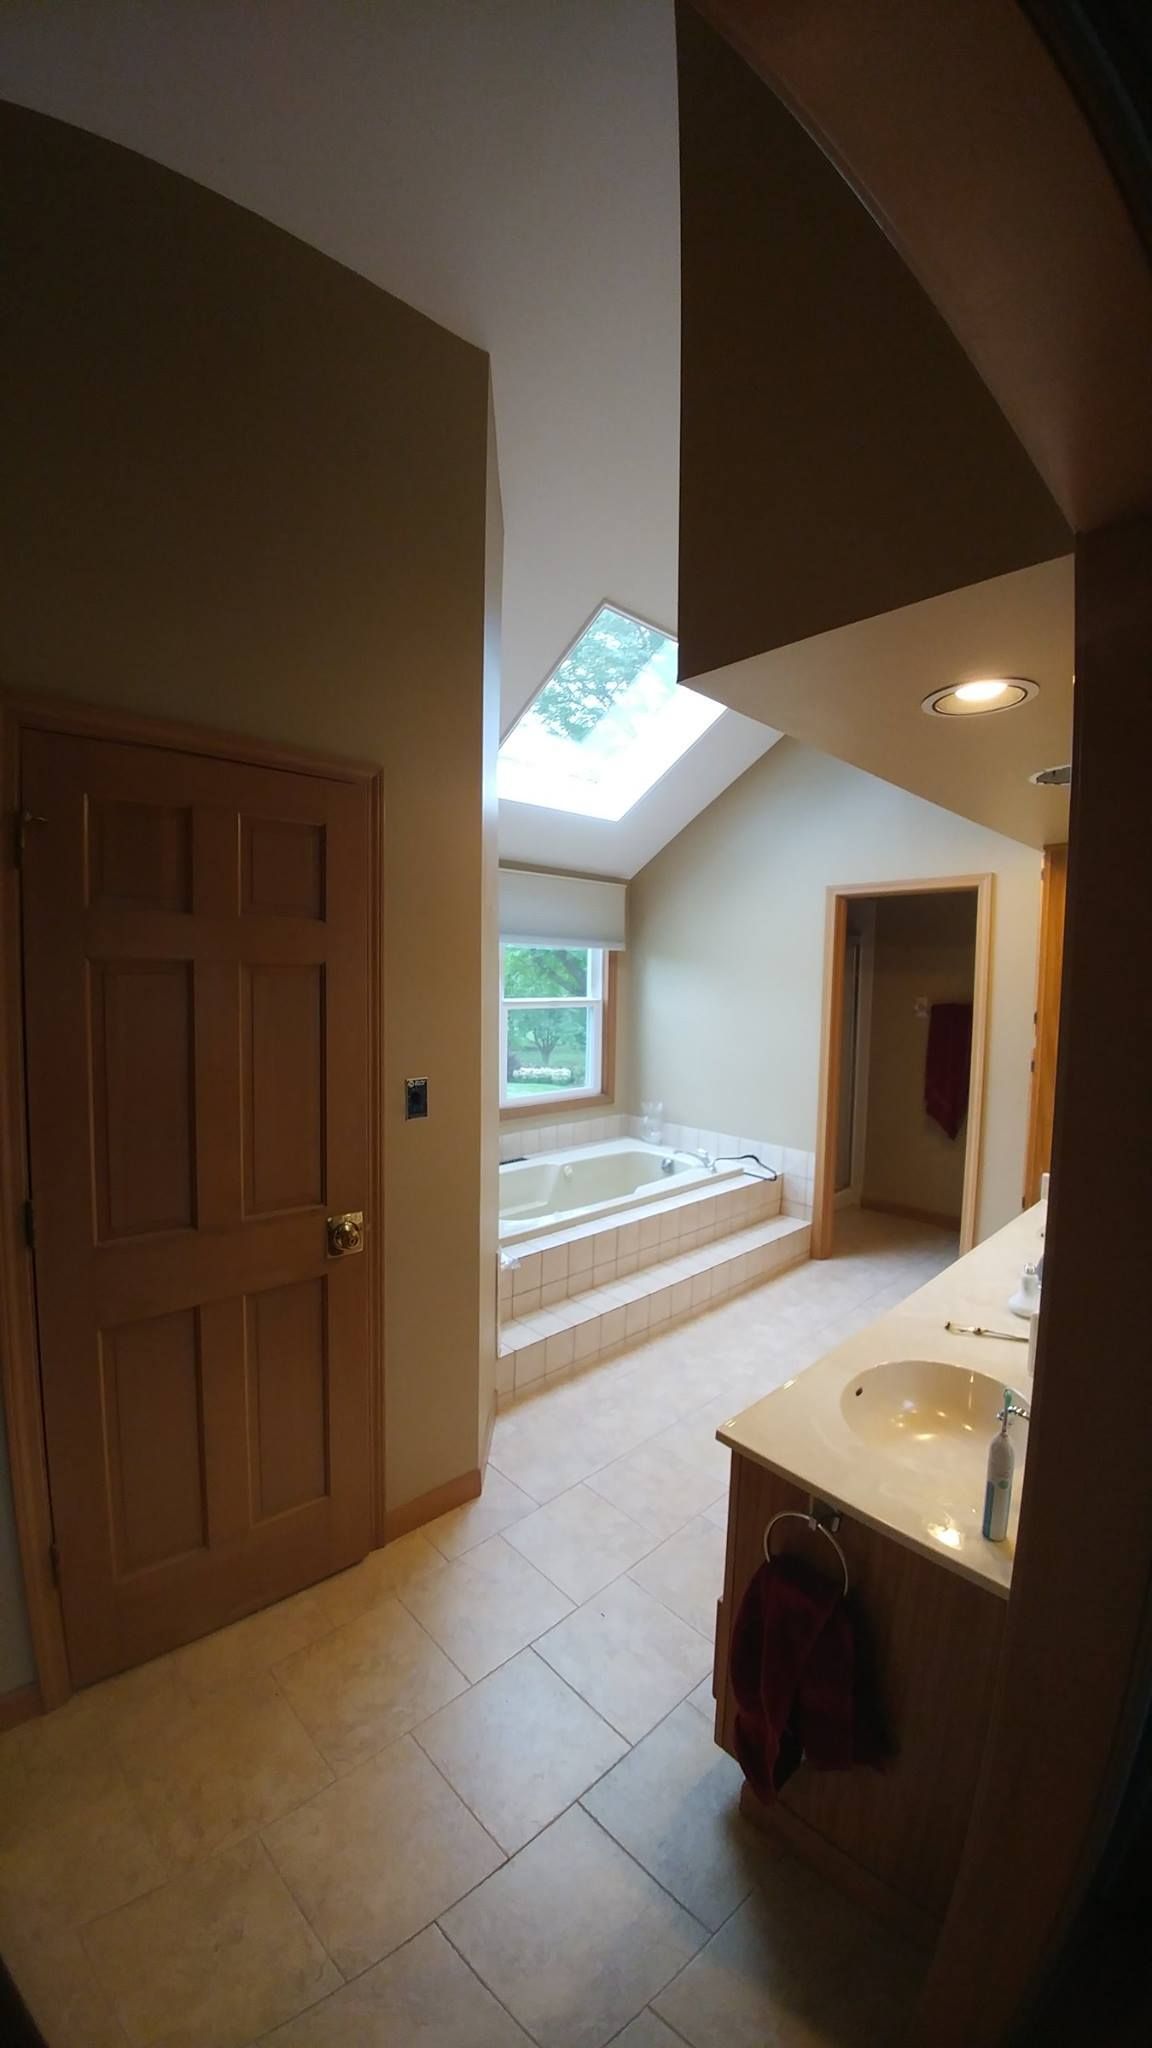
<point x="561" y="910"/>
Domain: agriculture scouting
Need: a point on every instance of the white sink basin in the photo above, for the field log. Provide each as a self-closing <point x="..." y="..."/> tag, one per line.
<point x="920" y="1407"/>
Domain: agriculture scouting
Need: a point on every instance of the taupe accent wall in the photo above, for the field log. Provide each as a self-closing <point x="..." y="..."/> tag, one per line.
<point x="840" y="456"/>
<point x="245" y="488"/>
<point x="726" y="930"/>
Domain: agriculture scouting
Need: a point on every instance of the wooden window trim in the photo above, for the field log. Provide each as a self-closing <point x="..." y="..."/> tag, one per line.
<point x="19" y="1360"/>
<point x="515" y="1112"/>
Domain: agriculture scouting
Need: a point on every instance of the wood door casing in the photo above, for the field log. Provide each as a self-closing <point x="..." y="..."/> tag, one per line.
<point x="197" y="1006"/>
<point x="1046" y="1046"/>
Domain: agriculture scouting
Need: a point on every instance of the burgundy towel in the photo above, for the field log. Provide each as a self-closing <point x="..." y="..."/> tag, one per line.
<point x="947" y="1064"/>
<point x="794" y="1677"/>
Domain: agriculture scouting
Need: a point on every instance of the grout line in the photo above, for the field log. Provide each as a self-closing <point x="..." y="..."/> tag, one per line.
<point x="678" y="1903"/>
<point x="483" y="1980"/>
<point x="504" y="1854"/>
<point x="306" y="1917"/>
<point x="658" y="2016"/>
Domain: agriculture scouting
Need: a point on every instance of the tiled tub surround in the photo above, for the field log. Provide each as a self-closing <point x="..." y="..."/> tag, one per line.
<point x="590" y="1181"/>
<point x="572" y="1295"/>
<point x="583" y="1328"/>
<point x="796" y="1168"/>
<point x="524" y="1140"/>
<point x="540" y="1271"/>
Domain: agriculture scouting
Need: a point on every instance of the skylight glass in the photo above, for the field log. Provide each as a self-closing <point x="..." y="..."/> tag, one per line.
<point x="608" y="723"/>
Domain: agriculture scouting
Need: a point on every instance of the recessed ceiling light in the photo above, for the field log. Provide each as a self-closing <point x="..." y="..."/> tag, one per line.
<point x="976" y="698"/>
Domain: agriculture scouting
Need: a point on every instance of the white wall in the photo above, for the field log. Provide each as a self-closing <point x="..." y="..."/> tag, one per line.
<point x="726" y="939"/>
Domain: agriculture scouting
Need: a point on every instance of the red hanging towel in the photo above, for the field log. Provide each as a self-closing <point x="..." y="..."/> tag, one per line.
<point x="796" y="1679"/>
<point x="948" y="1064"/>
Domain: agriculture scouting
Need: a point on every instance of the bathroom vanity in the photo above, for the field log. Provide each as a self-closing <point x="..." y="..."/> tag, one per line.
<point x="891" y="1429"/>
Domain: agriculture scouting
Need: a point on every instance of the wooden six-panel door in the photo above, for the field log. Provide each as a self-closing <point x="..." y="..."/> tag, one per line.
<point x="197" y="1017"/>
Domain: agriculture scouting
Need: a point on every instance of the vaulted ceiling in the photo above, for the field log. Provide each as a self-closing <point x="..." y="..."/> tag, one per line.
<point x="512" y="170"/>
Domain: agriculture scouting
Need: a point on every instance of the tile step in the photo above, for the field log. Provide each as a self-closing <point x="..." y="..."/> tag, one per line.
<point x="544" y="1271"/>
<point x="584" y="1326"/>
<point x="702" y="1197"/>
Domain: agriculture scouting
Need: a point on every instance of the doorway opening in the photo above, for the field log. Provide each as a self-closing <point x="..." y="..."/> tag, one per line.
<point x="902" y="1066"/>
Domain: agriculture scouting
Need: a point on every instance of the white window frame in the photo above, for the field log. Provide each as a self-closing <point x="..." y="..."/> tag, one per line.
<point x="595" y="1002"/>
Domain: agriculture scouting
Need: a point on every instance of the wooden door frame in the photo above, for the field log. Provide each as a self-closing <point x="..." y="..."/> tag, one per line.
<point x="831" y="1036"/>
<point x="20" y="1390"/>
<point x="1046" y="1033"/>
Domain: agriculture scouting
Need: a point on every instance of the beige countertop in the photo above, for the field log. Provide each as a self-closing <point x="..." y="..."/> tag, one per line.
<point x="802" y="1431"/>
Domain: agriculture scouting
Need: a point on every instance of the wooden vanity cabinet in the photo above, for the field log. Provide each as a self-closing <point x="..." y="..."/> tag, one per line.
<point x="891" y="1837"/>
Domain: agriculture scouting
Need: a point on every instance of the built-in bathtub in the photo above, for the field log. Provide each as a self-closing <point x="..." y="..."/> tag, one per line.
<point x="555" y="1188"/>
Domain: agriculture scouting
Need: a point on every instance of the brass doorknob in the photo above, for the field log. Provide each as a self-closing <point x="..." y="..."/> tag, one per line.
<point x="345" y="1233"/>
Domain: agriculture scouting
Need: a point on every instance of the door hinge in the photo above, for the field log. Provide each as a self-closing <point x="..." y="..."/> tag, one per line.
<point x="29" y="1215"/>
<point x="54" y="1562"/>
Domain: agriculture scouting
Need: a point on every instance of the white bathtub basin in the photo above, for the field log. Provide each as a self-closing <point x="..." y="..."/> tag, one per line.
<point x="592" y="1181"/>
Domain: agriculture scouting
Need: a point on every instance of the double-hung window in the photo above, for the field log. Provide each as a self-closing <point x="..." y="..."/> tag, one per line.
<point x="552" y="1023"/>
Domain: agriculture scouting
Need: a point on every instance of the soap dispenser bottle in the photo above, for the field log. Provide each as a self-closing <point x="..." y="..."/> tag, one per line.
<point x="998" y="1484"/>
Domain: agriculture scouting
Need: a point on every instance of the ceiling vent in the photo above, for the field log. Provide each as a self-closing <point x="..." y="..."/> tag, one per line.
<point x="1053" y="778"/>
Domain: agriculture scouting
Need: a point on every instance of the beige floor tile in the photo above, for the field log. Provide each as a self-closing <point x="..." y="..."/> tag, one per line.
<point x="267" y="1638"/>
<point x="520" y="1747"/>
<point x="248" y="1647"/>
<point x="647" y="2030"/>
<point x="572" y="1936"/>
<point x="500" y="1504"/>
<point x="687" y="1574"/>
<point x="133" y="1700"/>
<point x="673" y="1803"/>
<point x="485" y="1606"/>
<point x="717" y="1513"/>
<point x="628" y="1656"/>
<point x="797" y="1966"/>
<point x="366" y="1684"/>
<point x="656" y="1487"/>
<point x="546" y="1456"/>
<point x="69" y="1750"/>
<point x="72" y="1843"/>
<point x="581" y="1541"/>
<point x="424" y="1996"/>
<point x="212" y="1960"/>
<point x="693" y="1442"/>
<point x="380" y="1854"/>
<point x="704" y="1700"/>
<point x="60" y="1989"/>
<point x="221" y="1767"/>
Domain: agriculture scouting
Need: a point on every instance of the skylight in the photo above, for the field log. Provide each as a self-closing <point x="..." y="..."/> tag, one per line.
<point x="609" y="722"/>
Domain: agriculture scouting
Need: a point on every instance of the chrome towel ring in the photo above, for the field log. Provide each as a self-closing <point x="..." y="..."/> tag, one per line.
<point x="798" y="1515"/>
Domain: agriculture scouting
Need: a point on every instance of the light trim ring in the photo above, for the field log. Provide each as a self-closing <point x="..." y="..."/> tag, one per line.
<point x="980" y="696"/>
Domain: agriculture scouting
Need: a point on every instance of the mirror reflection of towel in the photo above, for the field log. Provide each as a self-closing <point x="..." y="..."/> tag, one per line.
<point x="948" y="1064"/>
